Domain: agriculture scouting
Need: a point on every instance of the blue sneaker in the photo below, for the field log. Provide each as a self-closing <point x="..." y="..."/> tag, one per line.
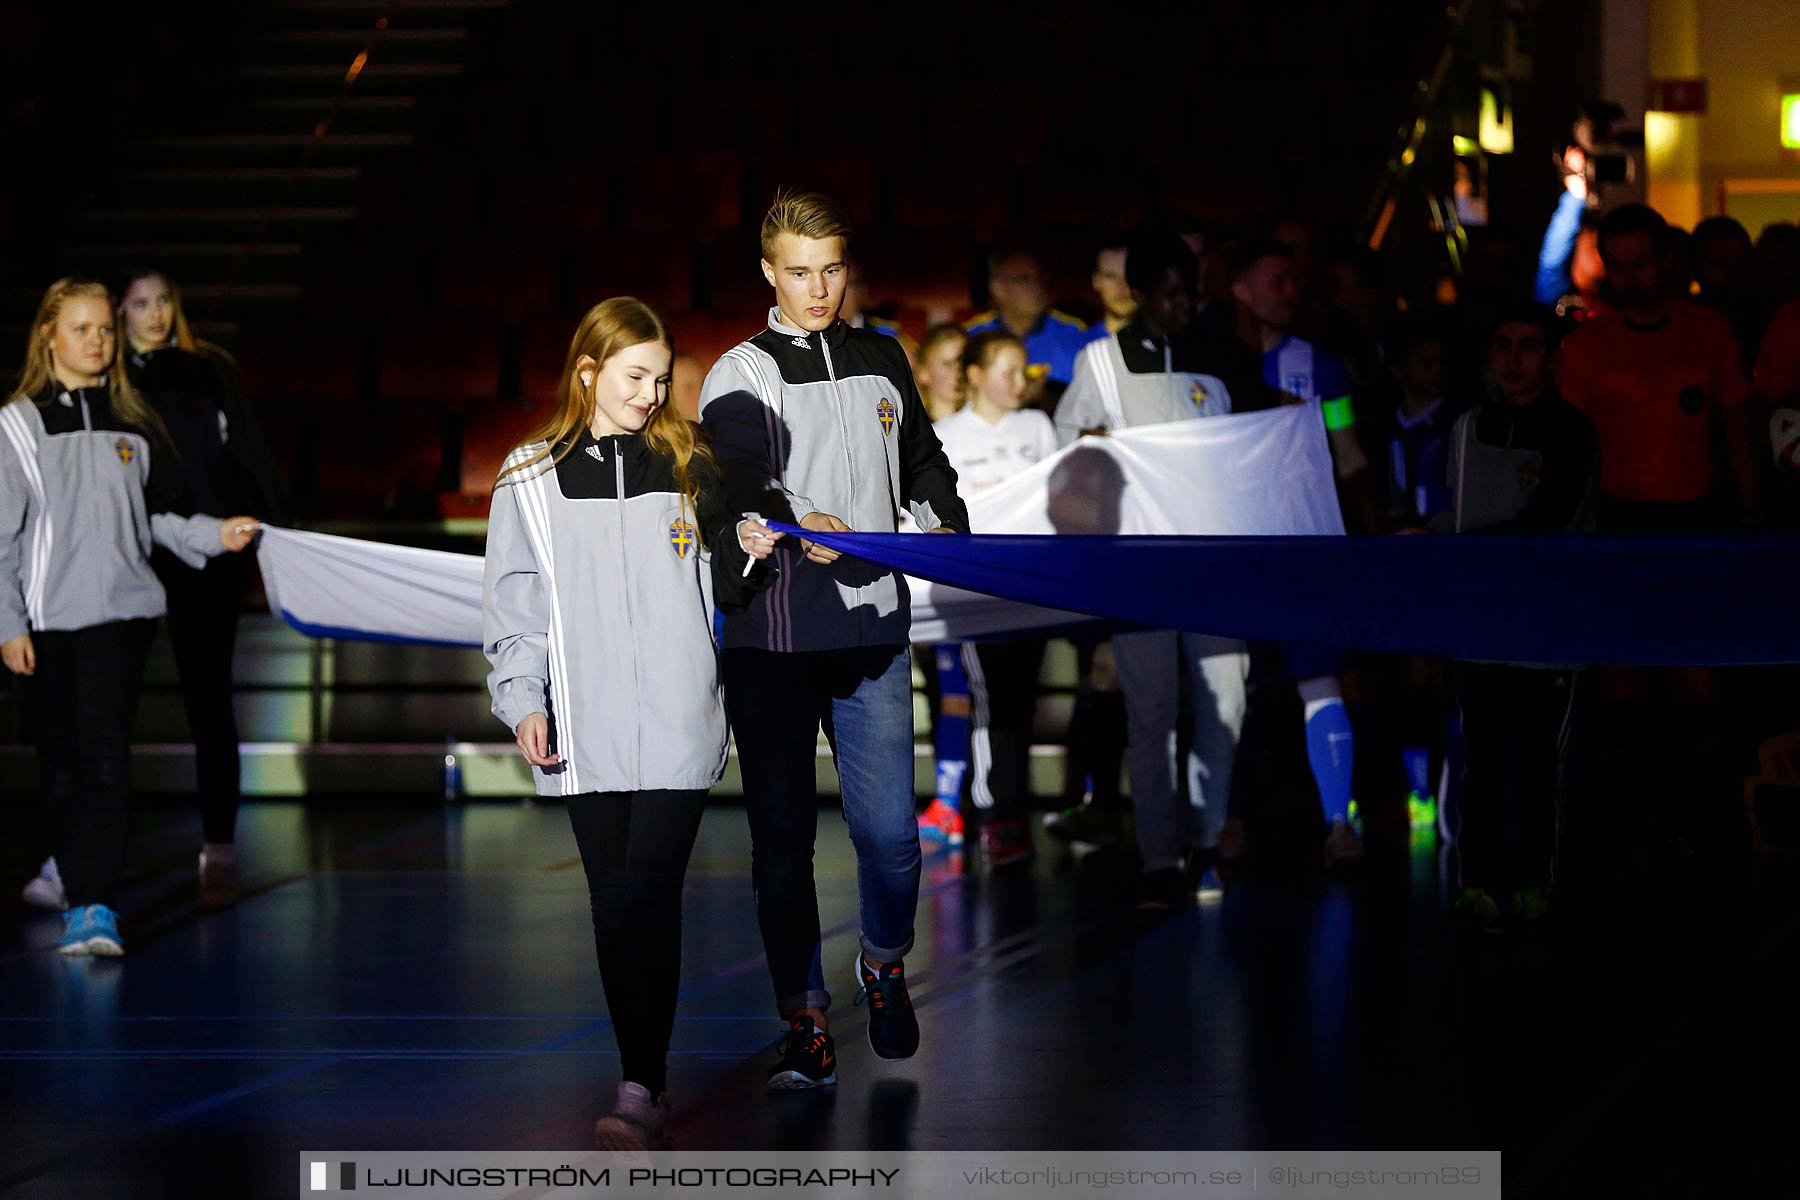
<point x="91" y="929"/>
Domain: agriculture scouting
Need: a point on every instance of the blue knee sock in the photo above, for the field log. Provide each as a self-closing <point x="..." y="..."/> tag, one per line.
<point x="1331" y="748"/>
<point x="952" y="740"/>
<point x="1418" y="769"/>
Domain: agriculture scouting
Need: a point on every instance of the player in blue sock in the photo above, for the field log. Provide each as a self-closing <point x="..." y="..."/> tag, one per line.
<point x="1331" y="751"/>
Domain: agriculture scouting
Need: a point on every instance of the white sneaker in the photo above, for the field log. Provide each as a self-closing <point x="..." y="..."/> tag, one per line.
<point x="637" y="1122"/>
<point x="46" y="889"/>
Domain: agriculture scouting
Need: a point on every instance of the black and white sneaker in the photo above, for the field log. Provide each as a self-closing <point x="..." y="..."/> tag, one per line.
<point x="808" y="1058"/>
<point x="893" y="1027"/>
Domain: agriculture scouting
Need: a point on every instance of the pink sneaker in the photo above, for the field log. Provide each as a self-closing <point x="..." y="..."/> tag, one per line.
<point x="637" y="1122"/>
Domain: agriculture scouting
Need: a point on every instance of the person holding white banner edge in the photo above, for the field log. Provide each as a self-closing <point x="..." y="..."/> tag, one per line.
<point x="89" y="482"/>
<point x="1149" y="373"/>
<point x="822" y="425"/>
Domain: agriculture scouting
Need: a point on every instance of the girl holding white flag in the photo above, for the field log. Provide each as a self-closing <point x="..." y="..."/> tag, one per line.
<point x="608" y="541"/>
<point x="88" y="484"/>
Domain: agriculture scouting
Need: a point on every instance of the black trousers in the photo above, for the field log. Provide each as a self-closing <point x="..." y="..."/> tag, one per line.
<point x="1003" y="690"/>
<point x="83" y="697"/>
<point x="203" y="624"/>
<point x="635" y="848"/>
<point x="1517" y="726"/>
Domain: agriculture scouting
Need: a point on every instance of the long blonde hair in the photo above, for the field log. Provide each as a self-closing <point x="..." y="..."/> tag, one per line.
<point x="609" y="327"/>
<point x="40" y="368"/>
<point x="184" y="337"/>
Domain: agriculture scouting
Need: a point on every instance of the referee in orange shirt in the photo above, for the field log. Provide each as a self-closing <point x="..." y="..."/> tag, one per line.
<point x="1654" y="374"/>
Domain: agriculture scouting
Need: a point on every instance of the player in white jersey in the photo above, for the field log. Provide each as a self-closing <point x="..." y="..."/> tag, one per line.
<point x="988" y="441"/>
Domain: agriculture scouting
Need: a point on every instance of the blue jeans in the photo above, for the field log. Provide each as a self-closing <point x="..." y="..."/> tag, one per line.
<point x="863" y="699"/>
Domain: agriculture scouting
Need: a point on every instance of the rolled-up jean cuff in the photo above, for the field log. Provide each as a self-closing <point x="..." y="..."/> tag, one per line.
<point x="885" y="954"/>
<point x="787" y="1006"/>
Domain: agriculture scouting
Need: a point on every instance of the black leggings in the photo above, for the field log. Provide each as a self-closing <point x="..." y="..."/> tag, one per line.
<point x="203" y="623"/>
<point x="1003" y="692"/>
<point x="83" y="697"/>
<point x="635" y="847"/>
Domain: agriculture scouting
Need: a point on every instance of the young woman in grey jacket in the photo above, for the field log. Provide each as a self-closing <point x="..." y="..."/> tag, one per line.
<point x="609" y="542"/>
<point x="88" y="485"/>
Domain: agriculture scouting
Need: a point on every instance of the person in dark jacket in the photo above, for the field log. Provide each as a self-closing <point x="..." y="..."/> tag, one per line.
<point x="193" y="386"/>
<point x="1525" y="463"/>
<point x="822" y="426"/>
<point x="87" y="485"/>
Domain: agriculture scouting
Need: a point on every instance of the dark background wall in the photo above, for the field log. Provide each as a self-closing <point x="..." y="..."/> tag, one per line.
<point x="399" y="263"/>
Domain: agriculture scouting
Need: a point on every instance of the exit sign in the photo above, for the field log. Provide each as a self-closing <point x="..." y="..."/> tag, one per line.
<point x="1678" y="95"/>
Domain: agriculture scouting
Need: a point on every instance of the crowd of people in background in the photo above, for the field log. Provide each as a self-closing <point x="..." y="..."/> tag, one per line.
<point x="1649" y="385"/>
<point x="1646" y="383"/>
<point x="1651" y="389"/>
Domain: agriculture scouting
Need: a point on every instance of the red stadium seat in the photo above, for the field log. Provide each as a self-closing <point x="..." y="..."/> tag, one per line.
<point x="657" y="270"/>
<point x="492" y="431"/>
<point x="544" y="346"/>
<point x="575" y="201"/>
<point x="276" y="365"/>
<point x="511" y="277"/>
<point x="440" y="361"/>
<point x="688" y="194"/>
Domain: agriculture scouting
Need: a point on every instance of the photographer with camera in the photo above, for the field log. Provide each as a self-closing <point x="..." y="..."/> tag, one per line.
<point x="1596" y="155"/>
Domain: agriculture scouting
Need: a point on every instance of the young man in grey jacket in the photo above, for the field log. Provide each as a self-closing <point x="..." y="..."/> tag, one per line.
<point x="821" y="425"/>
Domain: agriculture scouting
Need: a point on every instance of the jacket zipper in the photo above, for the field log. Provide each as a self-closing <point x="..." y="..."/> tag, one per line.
<point x="630" y="620"/>
<point x="849" y="462"/>
<point x="843" y="425"/>
<point x="1169" y="375"/>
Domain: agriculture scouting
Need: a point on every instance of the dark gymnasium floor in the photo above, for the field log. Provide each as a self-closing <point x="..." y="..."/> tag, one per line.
<point x="402" y="978"/>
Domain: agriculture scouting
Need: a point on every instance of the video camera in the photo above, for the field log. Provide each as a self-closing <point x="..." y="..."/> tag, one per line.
<point x="1604" y="143"/>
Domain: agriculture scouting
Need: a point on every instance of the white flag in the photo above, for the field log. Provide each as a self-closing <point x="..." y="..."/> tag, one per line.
<point x="1263" y="473"/>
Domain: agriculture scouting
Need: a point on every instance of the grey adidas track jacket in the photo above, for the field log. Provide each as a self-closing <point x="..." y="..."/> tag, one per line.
<point x="827" y="422"/>
<point x="83" y="499"/>
<point x="597" y="610"/>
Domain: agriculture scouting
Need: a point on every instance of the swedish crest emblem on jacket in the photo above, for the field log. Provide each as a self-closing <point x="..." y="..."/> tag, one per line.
<point x="681" y="537"/>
